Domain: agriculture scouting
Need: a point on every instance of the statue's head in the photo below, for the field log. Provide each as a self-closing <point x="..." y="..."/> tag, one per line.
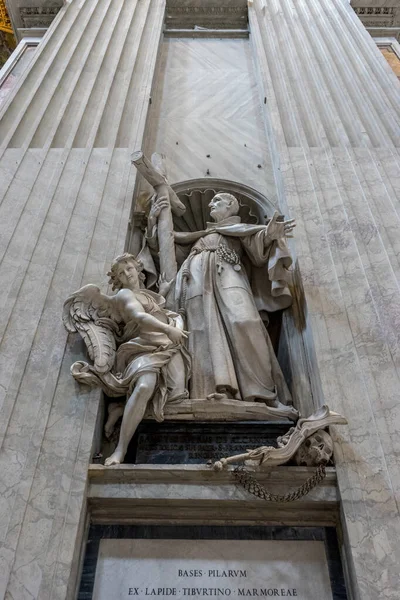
<point x="223" y="205"/>
<point x="126" y="272"/>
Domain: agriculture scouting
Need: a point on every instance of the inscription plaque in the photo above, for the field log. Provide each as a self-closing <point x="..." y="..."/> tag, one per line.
<point x="173" y="568"/>
<point x="196" y="443"/>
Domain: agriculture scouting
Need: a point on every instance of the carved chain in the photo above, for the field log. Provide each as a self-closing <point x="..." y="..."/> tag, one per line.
<point x="257" y="489"/>
<point x="228" y="255"/>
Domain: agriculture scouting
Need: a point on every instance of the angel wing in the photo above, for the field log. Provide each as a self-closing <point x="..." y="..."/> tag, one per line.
<point x="94" y="316"/>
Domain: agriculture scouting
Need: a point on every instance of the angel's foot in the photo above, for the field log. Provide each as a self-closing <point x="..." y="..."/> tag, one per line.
<point x="115" y="459"/>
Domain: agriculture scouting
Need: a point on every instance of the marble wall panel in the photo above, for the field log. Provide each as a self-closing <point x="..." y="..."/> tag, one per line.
<point x="64" y="214"/>
<point x="206" y="113"/>
<point x="336" y="126"/>
<point x="329" y="150"/>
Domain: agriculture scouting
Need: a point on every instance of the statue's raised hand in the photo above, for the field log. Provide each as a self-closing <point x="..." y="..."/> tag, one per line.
<point x="278" y="229"/>
<point x="157" y="205"/>
<point x="163" y="285"/>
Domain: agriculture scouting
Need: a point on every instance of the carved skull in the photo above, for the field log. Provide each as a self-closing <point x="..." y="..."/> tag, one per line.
<point x="315" y="450"/>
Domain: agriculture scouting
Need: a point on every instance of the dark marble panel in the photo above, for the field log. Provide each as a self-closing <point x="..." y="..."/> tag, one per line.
<point x="196" y="443"/>
<point x="89" y="567"/>
<point x="334" y="564"/>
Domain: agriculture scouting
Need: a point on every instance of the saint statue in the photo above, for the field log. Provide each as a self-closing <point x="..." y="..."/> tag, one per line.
<point x="229" y="273"/>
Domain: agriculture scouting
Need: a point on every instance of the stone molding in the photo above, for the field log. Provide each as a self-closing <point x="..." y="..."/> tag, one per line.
<point x="377" y="16"/>
<point x="207" y="10"/>
<point x="129" y="494"/>
<point x="377" y="23"/>
<point x="38" y="16"/>
<point x="187" y="14"/>
<point x="375" y="10"/>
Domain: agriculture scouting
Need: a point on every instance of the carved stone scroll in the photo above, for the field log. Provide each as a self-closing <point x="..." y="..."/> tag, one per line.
<point x="289" y="444"/>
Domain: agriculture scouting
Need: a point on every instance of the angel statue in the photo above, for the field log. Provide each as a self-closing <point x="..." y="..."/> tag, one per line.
<point x="136" y="344"/>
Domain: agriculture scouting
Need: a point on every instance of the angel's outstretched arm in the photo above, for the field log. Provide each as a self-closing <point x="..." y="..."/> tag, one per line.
<point x="132" y="310"/>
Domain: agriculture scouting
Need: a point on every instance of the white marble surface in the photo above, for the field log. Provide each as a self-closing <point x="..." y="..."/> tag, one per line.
<point x="335" y="120"/>
<point x="331" y="113"/>
<point x="219" y="568"/>
<point x="174" y="493"/>
<point x="206" y="113"/>
<point x="63" y="217"/>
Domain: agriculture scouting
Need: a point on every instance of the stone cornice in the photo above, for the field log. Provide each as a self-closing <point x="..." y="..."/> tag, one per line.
<point x="38" y="16"/>
<point x="128" y="494"/>
<point x="206" y="10"/>
<point x="374" y="10"/>
<point x="377" y="16"/>
<point x="209" y="13"/>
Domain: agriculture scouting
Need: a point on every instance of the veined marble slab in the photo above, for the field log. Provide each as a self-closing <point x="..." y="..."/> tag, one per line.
<point x="199" y="409"/>
<point x="163" y="569"/>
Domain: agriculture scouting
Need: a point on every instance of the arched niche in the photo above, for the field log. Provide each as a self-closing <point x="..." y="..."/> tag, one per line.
<point x="197" y="193"/>
<point x="296" y="361"/>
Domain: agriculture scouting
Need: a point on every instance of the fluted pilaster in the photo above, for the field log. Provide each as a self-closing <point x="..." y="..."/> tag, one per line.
<point x="333" y="115"/>
<point x="66" y="187"/>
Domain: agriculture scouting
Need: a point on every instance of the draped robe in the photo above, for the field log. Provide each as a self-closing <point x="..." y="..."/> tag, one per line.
<point x="142" y="351"/>
<point x="230" y="347"/>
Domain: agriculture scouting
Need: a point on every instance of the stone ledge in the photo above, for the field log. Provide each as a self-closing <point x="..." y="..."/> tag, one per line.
<point x="192" y="494"/>
<point x="205" y="409"/>
<point x="186" y="14"/>
<point x="197" y="473"/>
<point x="207" y="33"/>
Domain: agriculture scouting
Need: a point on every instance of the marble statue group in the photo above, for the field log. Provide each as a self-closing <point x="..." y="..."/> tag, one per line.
<point x="197" y="334"/>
